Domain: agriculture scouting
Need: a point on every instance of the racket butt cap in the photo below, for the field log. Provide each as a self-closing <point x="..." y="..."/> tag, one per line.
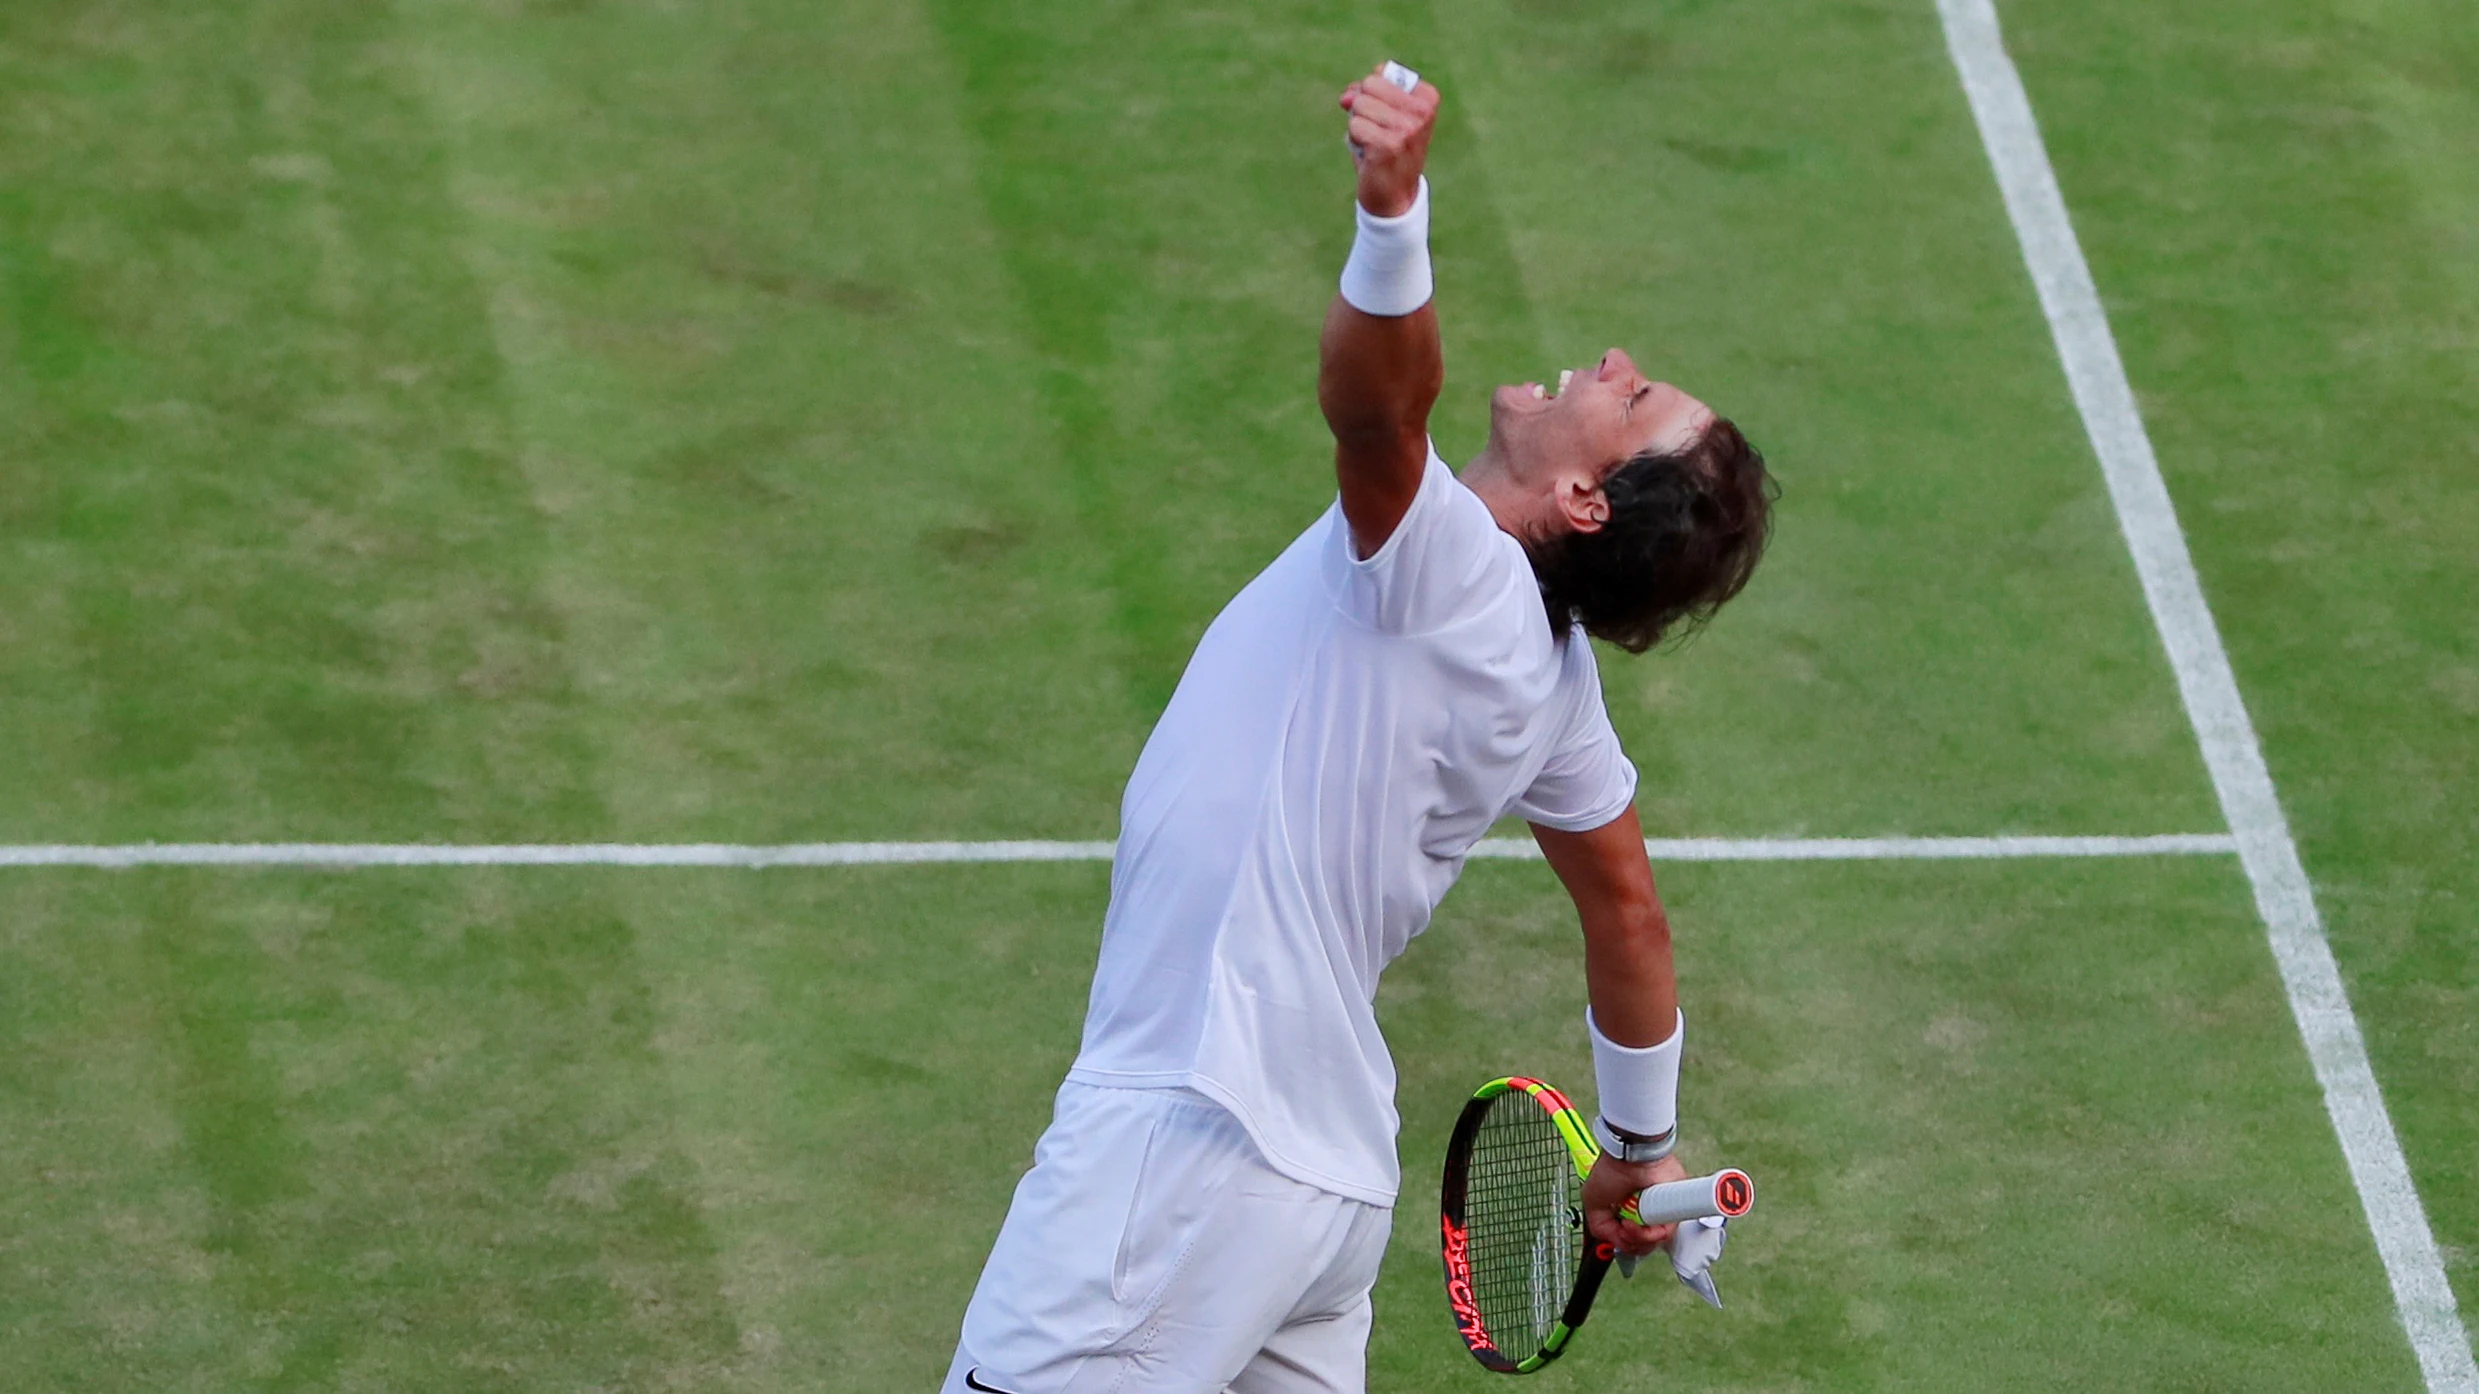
<point x="1734" y="1192"/>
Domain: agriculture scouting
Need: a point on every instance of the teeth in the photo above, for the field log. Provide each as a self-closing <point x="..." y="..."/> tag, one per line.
<point x="1565" y="376"/>
<point x="1537" y="393"/>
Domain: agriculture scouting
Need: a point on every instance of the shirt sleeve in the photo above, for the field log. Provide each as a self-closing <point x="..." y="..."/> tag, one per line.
<point x="1588" y="779"/>
<point x="1446" y="559"/>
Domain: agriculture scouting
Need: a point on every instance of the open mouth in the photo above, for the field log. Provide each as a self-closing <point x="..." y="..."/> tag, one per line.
<point x="1543" y="394"/>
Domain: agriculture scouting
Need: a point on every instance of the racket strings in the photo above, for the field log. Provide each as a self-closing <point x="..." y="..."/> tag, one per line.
<point x="1523" y="1209"/>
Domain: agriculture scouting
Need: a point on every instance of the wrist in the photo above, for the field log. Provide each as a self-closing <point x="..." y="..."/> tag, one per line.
<point x="1408" y="221"/>
<point x="1638" y="1089"/>
<point x="1634" y="1149"/>
<point x="1388" y="200"/>
<point x="1388" y="272"/>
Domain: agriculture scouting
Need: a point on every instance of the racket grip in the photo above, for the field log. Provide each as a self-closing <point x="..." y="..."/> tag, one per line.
<point x="1728" y="1192"/>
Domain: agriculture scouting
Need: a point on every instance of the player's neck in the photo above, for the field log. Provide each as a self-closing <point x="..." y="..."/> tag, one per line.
<point x="1507" y="500"/>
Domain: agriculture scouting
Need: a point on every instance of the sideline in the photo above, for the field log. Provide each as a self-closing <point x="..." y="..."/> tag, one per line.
<point x="348" y="855"/>
<point x="2421" y="1293"/>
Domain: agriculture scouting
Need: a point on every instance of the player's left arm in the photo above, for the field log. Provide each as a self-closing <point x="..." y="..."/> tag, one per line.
<point x="1633" y="984"/>
<point x="1379" y="363"/>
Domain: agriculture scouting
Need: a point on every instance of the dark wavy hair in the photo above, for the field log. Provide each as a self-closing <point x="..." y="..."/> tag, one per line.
<point x="1685" y="532"/>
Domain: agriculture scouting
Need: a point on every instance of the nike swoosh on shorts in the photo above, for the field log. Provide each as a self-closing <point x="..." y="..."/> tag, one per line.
<point x="972" y="1380"/>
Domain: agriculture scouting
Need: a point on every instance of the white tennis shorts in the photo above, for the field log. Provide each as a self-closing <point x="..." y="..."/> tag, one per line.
<point x="1151" y="1248"/>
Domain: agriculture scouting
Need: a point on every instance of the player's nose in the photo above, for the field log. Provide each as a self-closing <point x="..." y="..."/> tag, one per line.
<point x="1616" y="366"/>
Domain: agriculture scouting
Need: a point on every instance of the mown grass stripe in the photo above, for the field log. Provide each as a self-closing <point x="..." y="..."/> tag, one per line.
<point x="818" y="854"/>
<point x="2071" y="300"/>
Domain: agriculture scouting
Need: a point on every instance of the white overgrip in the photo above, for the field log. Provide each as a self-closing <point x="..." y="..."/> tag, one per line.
<point x="1728" y="1192"/>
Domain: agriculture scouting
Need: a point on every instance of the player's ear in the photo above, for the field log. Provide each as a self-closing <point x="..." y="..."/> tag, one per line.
<point x="1583" y="504"/>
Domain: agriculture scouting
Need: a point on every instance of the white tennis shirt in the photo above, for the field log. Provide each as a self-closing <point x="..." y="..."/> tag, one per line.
<point x="1346" y="730"/>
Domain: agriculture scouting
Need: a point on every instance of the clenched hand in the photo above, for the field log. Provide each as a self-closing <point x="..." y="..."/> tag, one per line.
<point x="1389" y="134"/>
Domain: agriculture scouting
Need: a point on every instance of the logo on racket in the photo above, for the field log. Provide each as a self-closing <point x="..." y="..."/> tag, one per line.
<point x="1733" y="1194"/>
<point x="1467" y="1310"/>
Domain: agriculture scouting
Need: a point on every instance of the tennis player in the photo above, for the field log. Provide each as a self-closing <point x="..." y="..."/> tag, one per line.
<point x="1209" y="1204"/>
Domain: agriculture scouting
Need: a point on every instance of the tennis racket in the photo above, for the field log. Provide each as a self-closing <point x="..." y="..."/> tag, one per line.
<point x="1521" y="1271"/>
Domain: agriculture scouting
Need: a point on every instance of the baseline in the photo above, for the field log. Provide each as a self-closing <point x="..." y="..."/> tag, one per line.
<point x="2422" y="1294"/>
<point x="346" y="855"/>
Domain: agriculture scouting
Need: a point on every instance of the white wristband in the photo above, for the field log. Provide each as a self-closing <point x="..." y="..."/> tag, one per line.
<point x="1388" y="271"/>
<point x="1638" y="1085"/>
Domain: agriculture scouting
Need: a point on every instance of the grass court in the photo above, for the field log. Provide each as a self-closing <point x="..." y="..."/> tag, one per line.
<point x="485" y="421"/>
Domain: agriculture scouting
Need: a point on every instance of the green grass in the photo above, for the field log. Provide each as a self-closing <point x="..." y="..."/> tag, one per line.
<point x="2295" y="279"/>
<point x="490" y="420"/>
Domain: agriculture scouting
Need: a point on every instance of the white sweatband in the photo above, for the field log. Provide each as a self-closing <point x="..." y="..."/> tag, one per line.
<point x="1388" y="271"/>
<point x="1637" y="1085"/>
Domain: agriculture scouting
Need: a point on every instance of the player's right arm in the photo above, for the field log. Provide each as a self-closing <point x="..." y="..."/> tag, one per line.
<point x="1379" y="372"/>
<point x="1633" y="984"/>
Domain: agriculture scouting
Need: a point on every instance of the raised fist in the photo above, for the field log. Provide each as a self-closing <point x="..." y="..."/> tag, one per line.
<point x="1389" y="135"/>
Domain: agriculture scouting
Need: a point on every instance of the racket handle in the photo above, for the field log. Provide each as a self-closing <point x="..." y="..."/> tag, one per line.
<point x="1728" y="1192"/>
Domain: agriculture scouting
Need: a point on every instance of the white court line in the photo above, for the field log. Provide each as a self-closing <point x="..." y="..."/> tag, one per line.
<point x="1869" y="849"/>
<point x="2421" y="1293"/>
<point x="725" y="854"/>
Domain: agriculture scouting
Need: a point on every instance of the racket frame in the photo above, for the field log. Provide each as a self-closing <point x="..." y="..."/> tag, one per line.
<point x="1453" y="1233"/>
<point x="1728" y="1192"/>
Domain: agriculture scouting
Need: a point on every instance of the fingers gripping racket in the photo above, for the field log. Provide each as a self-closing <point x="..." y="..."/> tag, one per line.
<point x="1521" y="1271"/>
